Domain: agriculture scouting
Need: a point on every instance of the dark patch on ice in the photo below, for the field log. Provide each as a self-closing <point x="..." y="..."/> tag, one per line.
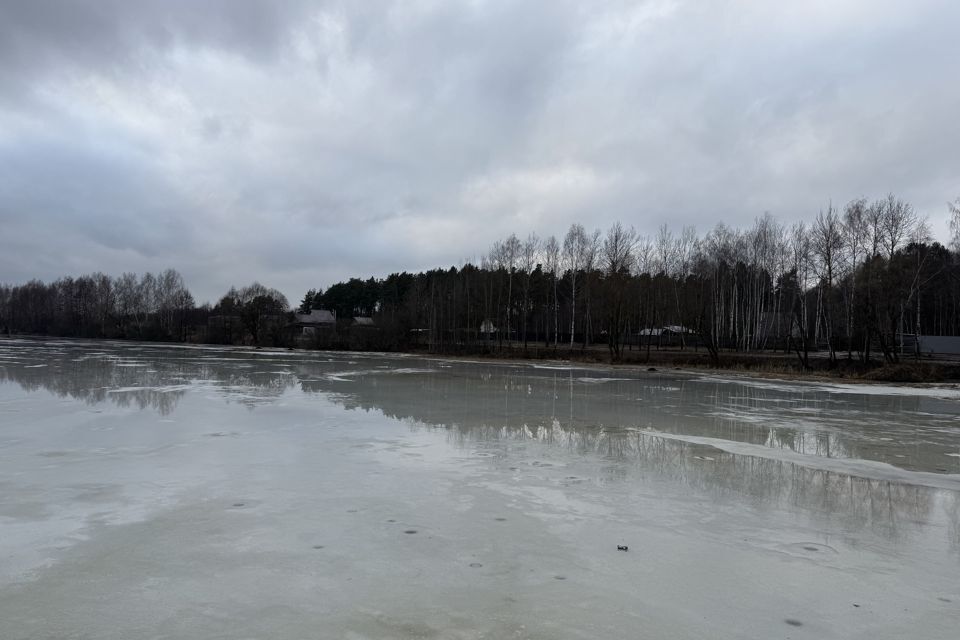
<point x="410" y="531"/>
<point x="351" y="510"/>
<point x="318" y="546"/>
<point x="944" y="599"/>
<point x="793" y="623"/>
<point x="651" y="368"/>
<point x="500" y="519"/>
<point x="391" y="520"/>
<point x="559" y="577"/>
<point x="238" y="504"/>
<point x="856" y="605"/>
<point x="475" y="565"/>
<point x="803" y="548"/>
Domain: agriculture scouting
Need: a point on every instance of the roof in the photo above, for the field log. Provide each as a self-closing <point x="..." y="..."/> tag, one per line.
<point x="316" y="316"/>
<point x="670" y="328"/>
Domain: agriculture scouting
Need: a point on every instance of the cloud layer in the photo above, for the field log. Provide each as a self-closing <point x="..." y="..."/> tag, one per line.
<point x="299" y="143"/>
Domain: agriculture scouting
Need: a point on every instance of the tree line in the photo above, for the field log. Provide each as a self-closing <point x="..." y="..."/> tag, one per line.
<point x="145" y="307"/>
<point x="857" y="283"/>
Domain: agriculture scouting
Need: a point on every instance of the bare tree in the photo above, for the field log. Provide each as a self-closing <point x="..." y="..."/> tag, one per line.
<point x="801" y="257"/>
<point x="955" y="222"/>
<point x="511" y="255"/>
<point x="826" y="239"/>
<point x="897" y="223"/>
<point x="617" y="258"/>
<point x="574" y="256"/>
<point x="665" y="248"/>
<point x="146" y="299"/>
<point x="506" y="255"/>
<point x="551" y="258"/>
<point x="643" y="256"/>
<point x="529" y="256"/>
<point x="759" y="245"/>
<point x="104" y="300"/>
<point x="258" y="306"/>
<point x="590" y="258"/>
<point x="617" y="249"/>
<point x="126" y="291"/>
<point x="856" y="235"/>
<point x="684" y="247"/>
<point x="873" y="225"/>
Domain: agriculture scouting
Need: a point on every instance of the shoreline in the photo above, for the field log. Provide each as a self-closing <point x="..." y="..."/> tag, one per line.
<point x="762" y="366"/>
<point x="813" y="378"/>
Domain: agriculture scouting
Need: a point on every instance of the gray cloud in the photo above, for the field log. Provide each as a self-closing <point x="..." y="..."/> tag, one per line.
<point x="302" y="142"/>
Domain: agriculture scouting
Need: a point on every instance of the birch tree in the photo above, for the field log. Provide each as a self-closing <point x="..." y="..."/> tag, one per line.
<point x="574" y="255"/>
<point x="827" y="243"/>
<point x="955" y="223"/>
<point x="529" y="255"/>
<point x="617" y="257"/>
<point x="551" y="258"/>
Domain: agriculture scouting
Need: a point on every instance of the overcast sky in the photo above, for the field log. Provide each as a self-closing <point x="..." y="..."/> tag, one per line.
<point x="298" y="143"/>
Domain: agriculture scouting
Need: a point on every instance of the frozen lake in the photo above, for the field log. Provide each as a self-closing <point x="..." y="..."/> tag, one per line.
<point x="192" y="492"/>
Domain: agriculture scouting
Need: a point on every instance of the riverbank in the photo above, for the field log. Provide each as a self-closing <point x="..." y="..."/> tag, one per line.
<point x="761" y="364"/>
<point x="766" y="364"/>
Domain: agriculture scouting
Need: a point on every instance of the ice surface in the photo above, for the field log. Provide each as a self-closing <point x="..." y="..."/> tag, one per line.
<point x="946" y="390"/>
<point x="230" y="493"/>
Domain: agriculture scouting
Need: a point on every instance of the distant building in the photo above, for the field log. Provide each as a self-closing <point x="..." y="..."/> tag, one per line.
<point x="308" y="323"/>
<point x="487" y="328"/>
<point x="363" y="321"/>
<point x="671" y="335"/>
<point x="669" y="331"/>
<point x="935" y="345"/>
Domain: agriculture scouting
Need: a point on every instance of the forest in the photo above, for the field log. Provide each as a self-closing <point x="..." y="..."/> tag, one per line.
<point x="856" y="284"/>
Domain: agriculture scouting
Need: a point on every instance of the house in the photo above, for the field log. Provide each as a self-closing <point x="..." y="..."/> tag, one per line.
<point x="363" y="321"/>
<point x="307" y="324"/>
<point x="939" y="345"/>
<point x="487" y="328"/>
<point x="669" y="331"/>
<point x="671" y="335"/>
